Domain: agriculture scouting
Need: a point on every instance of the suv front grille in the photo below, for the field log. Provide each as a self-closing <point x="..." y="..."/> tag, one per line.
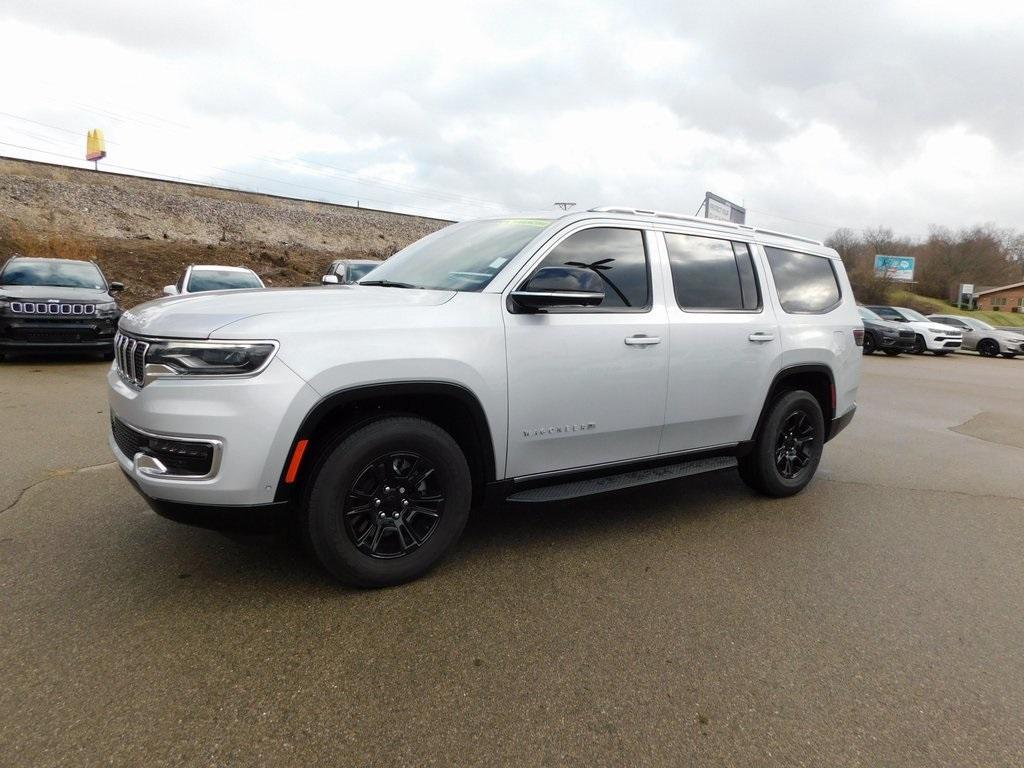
<point x="51" y="308"/>
<point x="130" y="358"/>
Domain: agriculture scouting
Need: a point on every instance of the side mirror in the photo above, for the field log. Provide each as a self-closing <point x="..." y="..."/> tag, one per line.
<point x="115" y="287"/>
<point x="170" y="290"/>
<point x="330" y="280"/>
<point x="560" y="287"/>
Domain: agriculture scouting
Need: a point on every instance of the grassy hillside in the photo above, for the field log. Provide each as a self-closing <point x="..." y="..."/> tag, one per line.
<point x="929" y="305"/>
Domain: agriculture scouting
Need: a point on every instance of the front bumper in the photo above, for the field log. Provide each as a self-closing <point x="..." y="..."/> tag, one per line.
<point x="252" y="422"/>
<point x="942" y="343"/>
<point x="904" y="344"/>
<point x="95" y="334"/>
<point x="1010" y="348"/>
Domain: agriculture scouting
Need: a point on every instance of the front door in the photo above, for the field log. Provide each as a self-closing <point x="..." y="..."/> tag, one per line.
<point x="586" y="386"/>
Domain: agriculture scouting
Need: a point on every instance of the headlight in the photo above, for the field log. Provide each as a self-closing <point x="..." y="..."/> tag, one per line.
<point x="943" y="331"/>
<point x="198" y="358"/>
<point x="107" y="308"/>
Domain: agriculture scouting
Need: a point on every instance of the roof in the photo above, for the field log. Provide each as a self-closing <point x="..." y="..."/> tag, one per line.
<point x="220" y="267"/>
<point x="1002" y="288"/>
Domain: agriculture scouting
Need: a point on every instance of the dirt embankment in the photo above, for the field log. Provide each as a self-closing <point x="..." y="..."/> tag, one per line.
<point x="144" y="232"/>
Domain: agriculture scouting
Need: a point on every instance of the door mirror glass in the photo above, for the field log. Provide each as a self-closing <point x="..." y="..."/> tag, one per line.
<point x="115" y="287"/>
<point x="330" y="280"/>
<point x="560" y="287"/>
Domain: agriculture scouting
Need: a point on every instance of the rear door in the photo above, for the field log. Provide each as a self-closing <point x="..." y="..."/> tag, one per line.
<point x="724" y="341"/>
<point x="586" y="386"/>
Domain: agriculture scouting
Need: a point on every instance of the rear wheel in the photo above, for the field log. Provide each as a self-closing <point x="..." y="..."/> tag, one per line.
<point x="919" y="346"/>
<point x="869" y="344"/>
<point x="788" y="447"/>
<point x="893" y="352"/>
<point x="388" y="502"/>
<point x="988" y="348"/>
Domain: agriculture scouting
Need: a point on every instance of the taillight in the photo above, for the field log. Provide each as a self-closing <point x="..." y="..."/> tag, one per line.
<point x="858" y="336"/>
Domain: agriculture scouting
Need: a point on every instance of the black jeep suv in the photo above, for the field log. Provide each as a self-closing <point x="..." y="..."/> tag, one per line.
<point x="56" y="305"/>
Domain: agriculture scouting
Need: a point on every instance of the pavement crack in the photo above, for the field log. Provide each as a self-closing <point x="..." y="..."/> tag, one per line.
<point x="53" y="475"/>
<point x="880" y="486"/>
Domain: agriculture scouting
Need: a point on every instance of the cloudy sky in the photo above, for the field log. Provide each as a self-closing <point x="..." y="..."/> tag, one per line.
<point x="814" y="115"/>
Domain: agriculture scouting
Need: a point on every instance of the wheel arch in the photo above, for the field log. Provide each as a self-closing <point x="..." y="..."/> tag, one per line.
<point x="816" y="378"/>
<point x="451" y="406"/>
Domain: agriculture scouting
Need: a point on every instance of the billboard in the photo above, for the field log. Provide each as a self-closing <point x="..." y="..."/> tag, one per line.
<point x="899" y="268"/>
<point x="95" y="146"/>
<point x="716" y="207"/>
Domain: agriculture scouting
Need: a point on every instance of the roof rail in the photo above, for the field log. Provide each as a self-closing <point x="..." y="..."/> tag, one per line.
<point x="700" y="220"/>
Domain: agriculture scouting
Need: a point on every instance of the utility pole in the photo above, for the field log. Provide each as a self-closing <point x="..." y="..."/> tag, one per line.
<point x="564" y="206"/>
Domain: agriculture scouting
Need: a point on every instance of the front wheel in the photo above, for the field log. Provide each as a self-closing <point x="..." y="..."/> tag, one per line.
<point x="869" y="344"/>
<point x="919" y="345"/>
<point x="388" y="502"/>
<point x="988" y="348"/>
<point x="788" y="447"/>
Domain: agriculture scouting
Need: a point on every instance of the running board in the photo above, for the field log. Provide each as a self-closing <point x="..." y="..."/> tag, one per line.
<point x="576" y="488"/>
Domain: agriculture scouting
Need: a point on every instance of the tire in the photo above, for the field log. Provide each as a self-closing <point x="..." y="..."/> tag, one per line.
<point x="356" y="523"/>
<point x="988" y="348"/>
<point x="763" y="469"/>
<point x="919" y="346"/>
<point x="893" y="352"/>
<point x="869" y="344"/>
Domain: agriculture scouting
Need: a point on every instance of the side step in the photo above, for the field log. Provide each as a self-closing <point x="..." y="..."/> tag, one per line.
<point x="576" y="488"/>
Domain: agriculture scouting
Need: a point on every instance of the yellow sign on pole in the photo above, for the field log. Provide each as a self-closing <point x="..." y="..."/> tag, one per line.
<point x="95" y="147"/>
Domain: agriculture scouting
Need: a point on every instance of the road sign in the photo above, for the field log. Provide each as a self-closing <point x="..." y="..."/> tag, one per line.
<point x="716" y="207"/>
<point x="899" y="268"/>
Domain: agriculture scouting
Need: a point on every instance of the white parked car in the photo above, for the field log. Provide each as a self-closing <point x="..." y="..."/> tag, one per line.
<point x="986" y="339"/>
<point x="199" y="278"/>
<point x="530" y="359"/>
<point x="929" y="335"/>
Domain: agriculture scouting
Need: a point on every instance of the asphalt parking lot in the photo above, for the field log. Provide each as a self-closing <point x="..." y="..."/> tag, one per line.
<point x="876" y="619"/>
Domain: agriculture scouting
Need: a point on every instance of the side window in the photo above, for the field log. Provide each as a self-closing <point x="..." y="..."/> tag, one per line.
<point x="710" y="274"/>
<point x="887" y="314"/>
<point x="617" y="256"/>
<point x="806" y="283"/>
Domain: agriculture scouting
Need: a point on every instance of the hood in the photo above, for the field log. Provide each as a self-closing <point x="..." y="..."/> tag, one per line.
<point x="1006" y="335"/>
<point x="47" y="292"/>
<point x="198" y="315"/>
<point x="887" y="325"/>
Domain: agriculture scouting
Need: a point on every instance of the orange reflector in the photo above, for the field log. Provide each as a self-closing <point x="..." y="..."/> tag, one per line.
<point x="293" y="465"/>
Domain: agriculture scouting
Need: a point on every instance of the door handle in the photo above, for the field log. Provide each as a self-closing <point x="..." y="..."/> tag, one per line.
<point x="761" y="336"/>
<point x="642" y="341"/>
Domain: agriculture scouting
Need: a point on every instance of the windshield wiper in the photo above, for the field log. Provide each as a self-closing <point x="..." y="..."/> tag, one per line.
<point x="387" y="284"/>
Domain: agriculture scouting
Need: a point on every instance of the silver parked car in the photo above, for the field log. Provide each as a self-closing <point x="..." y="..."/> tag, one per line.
<point x="986" y="339"/>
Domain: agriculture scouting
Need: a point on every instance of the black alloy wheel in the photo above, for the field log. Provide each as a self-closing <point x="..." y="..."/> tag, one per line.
<point x="988" y="348"/>
<point x="394" y="506"/>
<point x="387" y="500"/>
<point x="869" y="344"/>
<point x="794" y="445"/>
<point x="919" y="346"/>
<point x="788" y="446"/>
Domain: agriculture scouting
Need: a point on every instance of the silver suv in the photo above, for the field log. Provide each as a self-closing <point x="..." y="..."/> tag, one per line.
<point x="530" y="359"/>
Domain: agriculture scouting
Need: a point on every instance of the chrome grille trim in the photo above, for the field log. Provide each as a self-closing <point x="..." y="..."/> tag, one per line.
<point x="130" y="359"/>
<point x="49" y="308"/>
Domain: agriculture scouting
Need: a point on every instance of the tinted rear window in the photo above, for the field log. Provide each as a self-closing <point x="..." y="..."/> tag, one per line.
<point x="806" y="283"/>
<point x="711" y="274"/>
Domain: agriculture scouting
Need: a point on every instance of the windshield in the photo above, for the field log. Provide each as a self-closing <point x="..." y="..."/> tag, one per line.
<point x="911" y="314"/>
<point x="867" y="314"/>
<point x="978" y="325"/>
<point x="462" y="257"/>
<point x="359" y="271"/>
<point x="220" y="280"/>
<point x="59" y="274"/>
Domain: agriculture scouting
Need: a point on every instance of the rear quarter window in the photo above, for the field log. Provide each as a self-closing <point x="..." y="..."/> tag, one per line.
<point x="807" y="284"/>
